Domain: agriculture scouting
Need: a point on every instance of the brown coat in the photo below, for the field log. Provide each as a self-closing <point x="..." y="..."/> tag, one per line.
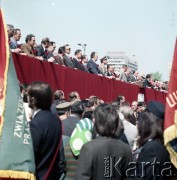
<point x="28" y="50"/>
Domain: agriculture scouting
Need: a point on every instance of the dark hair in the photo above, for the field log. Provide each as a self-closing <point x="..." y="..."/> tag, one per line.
<point x="77" y="51"/>
<point x="148" y="76"/>
<point x="61" y="50"/>
<point x="93" y="100"/>
<point x="92" y="55"/>
<point x="29" y="37"/>
<point x="124" y="65"/>
<point x="42" y="94"/>
<point x="45" y="40"/>
<point x="149" y="127"/>
<point x="103" y="59"/>
<point x="141" y="103"/>
<point x="88" y="114"/>
<point x="106" y="120"/>
<point x="51" y="43"/>
<point x="15" y="31"/>
<point x="58" y="94"/>
<point x="72" y="95"/>
<point x="83" y="57"/>
<point x="77" y="108"/>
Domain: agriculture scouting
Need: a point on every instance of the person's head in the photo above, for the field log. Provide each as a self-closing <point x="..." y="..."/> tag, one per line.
<point x="73" y="96"/>
<point x="78" y="54"/>
<point x="67" y="49"/>
<point x="141" y="106"/>
<point x="148" y="77"/>
<point x="59" y="95"/>
<point x="51" y="46"/>
<point x="110" y="68"/>
<point x="88" y="114"/>
<point x="77" y="108"/>
<point x="93" y="101"/>
<point x="94" y="56"/>
<point x="135" y="73"/>
<point x="30" y="40"/>
<point x="61" y="51"/>
<point x="127" y="112"/>
<point x="84" y="59"/>
<point x="120" y="99"/>
<point x="39" y="96"/>
<point x="45" y="42"/>
<point x="64" y="109"/>
<point x="10" y="29"/>
<point x="124" y="67"/>
<point x="17" y="34"/>
<point x="149" y="127"/>
<point x="104" y="60"/>
<point x="106" y="120"/>
<point x="134" y="105"/>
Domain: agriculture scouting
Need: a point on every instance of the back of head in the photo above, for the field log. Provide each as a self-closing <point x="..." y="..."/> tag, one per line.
<point x="149" y="127"/>
<point x="77" y="108"/>
<point x="58" y="94"/>
<point x="40" y="95"/>
<point x="127" y="112"/>
<point x="106" y="120"/>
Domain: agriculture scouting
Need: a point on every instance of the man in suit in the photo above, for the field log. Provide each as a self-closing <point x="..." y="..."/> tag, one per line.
<point x="42" y="48"/>
<point x="28" y="47"/>
<point x="51" y="48"/>
<point x="84" y="61"/>
<point x="46" y="131"/>
<point x="133" y="78"/>
<point x="66" y="58"/>
<point x="77" y="60"/>
<point x="123" y="76"/>
<point x="92" y="66"/>
<point x="13" y="41"/>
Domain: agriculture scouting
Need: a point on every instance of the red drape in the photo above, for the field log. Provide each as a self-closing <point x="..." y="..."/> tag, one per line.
<point x="67" y="79"/>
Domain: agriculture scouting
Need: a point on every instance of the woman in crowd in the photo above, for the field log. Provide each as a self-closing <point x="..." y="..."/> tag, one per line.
<point x="152" y="157"/>
<point x="98" y="156"/>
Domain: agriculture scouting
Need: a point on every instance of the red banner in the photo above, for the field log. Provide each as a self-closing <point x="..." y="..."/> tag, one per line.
<point x="170" y="124"/>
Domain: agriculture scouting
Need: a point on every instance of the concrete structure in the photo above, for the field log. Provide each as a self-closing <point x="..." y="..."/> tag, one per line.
<point x="118" y="59"/>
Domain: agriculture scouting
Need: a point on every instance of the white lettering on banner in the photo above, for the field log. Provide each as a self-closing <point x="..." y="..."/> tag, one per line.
<point x="22" y="128"/>
<point x="172" y="99"/>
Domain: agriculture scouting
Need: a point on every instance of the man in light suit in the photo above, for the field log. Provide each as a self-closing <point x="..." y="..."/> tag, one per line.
<point x="92" y="66"/>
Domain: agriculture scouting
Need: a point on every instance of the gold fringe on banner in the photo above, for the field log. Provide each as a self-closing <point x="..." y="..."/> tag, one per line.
<point x="5" y="73"/>
<point x="16" y="175"/>
<point x="170" y="134"/>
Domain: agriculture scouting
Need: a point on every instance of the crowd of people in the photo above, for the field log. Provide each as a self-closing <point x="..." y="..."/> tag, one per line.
<point x="46" y="52"/>
<point x="96" y="140"/>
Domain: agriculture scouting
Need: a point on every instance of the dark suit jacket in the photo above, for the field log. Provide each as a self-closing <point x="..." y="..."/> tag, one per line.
<point x="95" y="156"/>
<point x="67" y="61"/>
<point x="152" y="152"/>
<point x="46" y="134"/>
<point x="40" y="50"/>
<point x="77" y="65"/>
<point x="132" y="78"/>
<point x="85" y="68"/>
<point x="93" y="67"/>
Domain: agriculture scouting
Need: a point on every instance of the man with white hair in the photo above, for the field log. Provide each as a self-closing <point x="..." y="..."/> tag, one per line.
<point x="129" y="129"/>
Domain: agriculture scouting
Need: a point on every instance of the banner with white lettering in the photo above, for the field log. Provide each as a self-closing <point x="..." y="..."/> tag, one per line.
<point x="16" y="150"/>
<point x="170" y="123"/>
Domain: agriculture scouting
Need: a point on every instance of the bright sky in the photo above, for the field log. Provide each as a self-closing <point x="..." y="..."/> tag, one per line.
<point x="144" y="28"/>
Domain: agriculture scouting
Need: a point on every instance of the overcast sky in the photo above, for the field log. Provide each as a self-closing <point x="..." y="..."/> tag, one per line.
<point x="144" y="28"/>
